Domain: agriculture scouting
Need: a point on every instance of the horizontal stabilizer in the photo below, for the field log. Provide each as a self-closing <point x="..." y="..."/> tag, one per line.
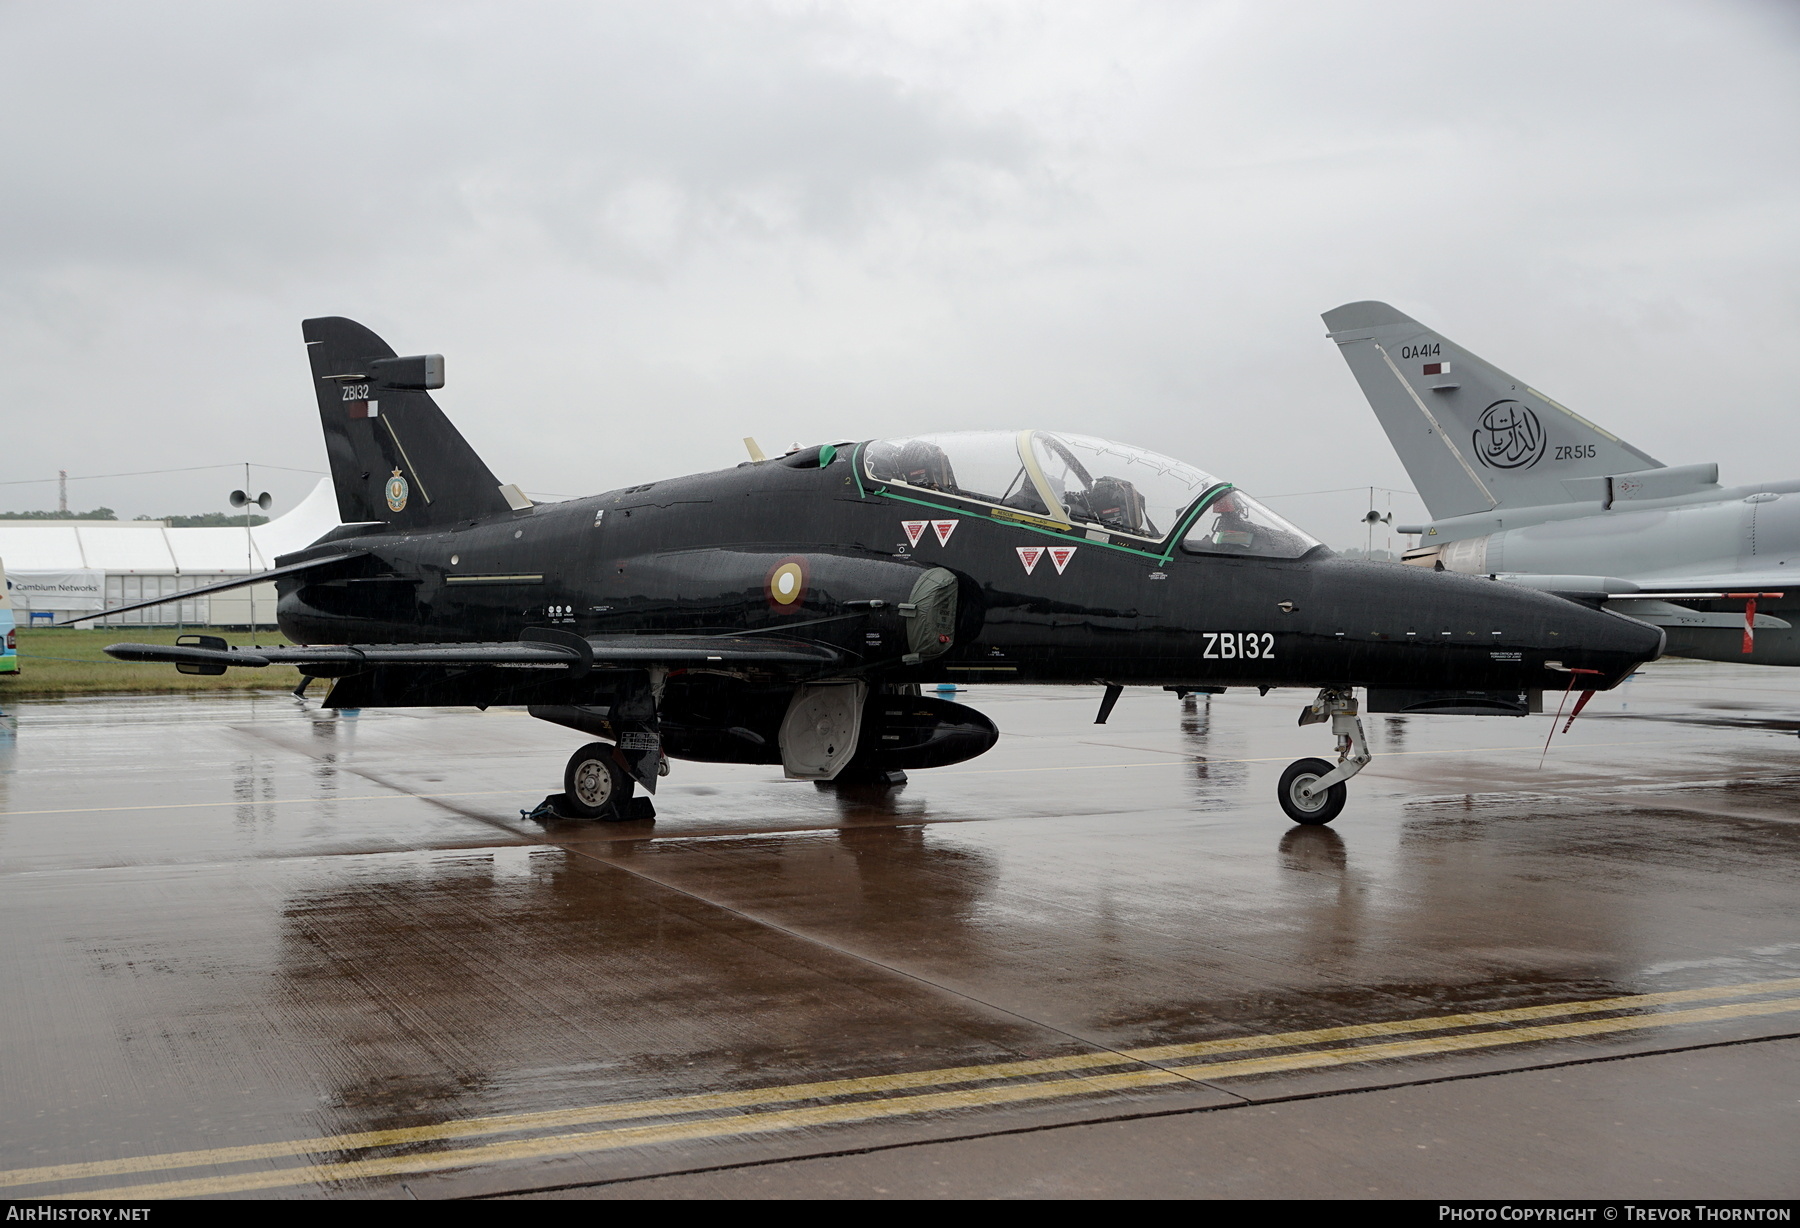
<point x="1665" y="483"/>
<point x="223" y="586"/>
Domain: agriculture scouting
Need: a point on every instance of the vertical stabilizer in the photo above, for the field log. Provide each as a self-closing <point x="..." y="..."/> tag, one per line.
<point x="1471" y="436"/>
<point x="394" y="455"/>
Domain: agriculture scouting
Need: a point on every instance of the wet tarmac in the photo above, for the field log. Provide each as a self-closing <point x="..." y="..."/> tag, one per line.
<point x="259" y="949"/>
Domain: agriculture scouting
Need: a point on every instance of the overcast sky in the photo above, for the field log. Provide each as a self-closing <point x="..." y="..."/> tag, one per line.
<point x="639" y="232"/>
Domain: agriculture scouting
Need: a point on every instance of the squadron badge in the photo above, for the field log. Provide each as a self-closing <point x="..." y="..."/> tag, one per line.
<point x="1509" y="436"/>
<point x="396" y="493"/>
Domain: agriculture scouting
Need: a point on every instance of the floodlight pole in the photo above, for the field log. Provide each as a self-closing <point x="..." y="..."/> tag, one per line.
<point x="249" y="550"/>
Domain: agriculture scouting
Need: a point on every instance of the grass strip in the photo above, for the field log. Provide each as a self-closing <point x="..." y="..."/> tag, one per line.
<point x="63" y="661"/>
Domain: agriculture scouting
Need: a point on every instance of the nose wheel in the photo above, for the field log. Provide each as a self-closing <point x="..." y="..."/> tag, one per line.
<point x="1312" y="790"/>
<point x="1303" y="799"/>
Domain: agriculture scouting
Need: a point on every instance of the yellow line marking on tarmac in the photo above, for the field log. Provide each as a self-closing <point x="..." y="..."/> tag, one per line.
<point x="903" y="1106"/>
<point x="1439" y="1023"/>
<point x="1486" y="1040"/>
<point x="672" y="1106"/>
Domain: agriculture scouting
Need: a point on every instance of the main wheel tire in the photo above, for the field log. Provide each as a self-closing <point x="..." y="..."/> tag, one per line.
<point x="1318" y="809"/>
<point x="596" y="786"/>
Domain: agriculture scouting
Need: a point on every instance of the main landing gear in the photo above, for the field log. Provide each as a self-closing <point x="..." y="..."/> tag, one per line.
<point x="595" y="786"/>
<point x="1312" y="791"/>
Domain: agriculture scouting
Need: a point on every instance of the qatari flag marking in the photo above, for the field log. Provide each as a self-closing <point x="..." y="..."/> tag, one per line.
<point x="363" y="409"/>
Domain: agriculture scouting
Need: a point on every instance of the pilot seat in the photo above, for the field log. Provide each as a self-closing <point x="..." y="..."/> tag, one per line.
<point x="1117" y="504"/>
<point x="925" y="465"/>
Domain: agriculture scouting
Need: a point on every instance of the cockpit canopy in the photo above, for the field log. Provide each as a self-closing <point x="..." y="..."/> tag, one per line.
<point x="1095" y="483"/>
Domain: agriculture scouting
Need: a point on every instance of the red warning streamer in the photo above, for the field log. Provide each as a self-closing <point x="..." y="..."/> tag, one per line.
<point x="1581" y="703"/>
<point x="1749" y="600"/>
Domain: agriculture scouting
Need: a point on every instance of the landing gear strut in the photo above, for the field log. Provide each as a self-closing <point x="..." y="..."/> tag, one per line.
<point x="1312" y="791"/>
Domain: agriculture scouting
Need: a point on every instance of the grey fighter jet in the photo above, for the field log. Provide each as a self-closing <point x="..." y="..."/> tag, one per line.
<point x="1525" y="490"/>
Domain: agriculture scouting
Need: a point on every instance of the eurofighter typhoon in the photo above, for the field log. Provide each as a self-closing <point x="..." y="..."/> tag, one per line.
<point x="1525" y="490"/>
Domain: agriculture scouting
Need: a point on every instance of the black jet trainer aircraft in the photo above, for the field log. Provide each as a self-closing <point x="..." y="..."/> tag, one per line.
<point x="787" y="611"/>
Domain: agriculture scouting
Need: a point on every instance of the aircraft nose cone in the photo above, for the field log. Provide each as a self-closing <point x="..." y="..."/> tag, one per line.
<point x="1611" y="643"/>
<point x="1432" y="629"/>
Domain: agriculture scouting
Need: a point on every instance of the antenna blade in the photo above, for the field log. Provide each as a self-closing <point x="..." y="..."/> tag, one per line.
<point x="756" y="453"/>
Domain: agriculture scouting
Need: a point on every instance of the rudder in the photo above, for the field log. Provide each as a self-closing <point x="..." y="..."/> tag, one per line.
<point x="394" y="456"/>
<point x="1471" y="436"/>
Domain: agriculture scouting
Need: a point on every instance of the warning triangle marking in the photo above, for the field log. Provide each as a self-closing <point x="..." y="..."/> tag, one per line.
<point x="915" y="529"/>
<point x="943" y="529"/>
<point x="1029" y="556"/>
<point x="1060" y="555"/>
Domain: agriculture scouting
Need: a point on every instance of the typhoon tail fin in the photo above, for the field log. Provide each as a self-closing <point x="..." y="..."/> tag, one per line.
<point x="394" y="455"/>
<point x="1474" y="438"/>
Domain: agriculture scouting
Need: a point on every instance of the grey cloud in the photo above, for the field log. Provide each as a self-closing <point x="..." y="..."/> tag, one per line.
<point x="255" y="136"/>
<point x="643" y="231"/>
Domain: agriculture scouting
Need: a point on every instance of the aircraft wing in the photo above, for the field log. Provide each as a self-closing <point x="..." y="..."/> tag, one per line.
<point x="1660" y="601"/>
<point x="1664" y="603"/>
<point x="557" y="650"/>
<point x="1762" y="583"/>
<point x="1597" y="588"/>
<point x="711" y="650"/>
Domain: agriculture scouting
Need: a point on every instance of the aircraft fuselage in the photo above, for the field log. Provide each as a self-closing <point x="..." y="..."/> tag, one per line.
<point x="695" y="555"/>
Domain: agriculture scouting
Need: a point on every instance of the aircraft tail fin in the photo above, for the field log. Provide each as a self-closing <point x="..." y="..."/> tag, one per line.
<point x="394" y="455"/>
<point x="1473" y="437"/>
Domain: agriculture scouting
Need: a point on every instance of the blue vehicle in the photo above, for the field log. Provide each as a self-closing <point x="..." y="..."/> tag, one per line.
<point x="9" y="659"/>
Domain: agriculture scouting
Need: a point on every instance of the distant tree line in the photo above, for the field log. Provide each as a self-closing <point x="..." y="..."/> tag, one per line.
<point x="206" y="520"/>
<point x="99" y="513"/>
<point x="209" y="520"/>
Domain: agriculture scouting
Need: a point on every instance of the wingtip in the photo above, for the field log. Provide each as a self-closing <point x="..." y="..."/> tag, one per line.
<point x="1368" y="313"/>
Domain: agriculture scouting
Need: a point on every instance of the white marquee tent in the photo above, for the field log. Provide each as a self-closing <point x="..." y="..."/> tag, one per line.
<point x="59" y="568"/>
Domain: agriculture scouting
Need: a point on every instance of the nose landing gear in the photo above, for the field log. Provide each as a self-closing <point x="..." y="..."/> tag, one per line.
<point x="1312" y="791"/>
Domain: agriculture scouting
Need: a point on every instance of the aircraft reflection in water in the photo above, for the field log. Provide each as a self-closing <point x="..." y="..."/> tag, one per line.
<point x="787" y="611"/>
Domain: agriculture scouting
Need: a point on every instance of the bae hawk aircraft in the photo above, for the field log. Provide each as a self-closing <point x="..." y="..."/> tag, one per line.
<point x="788" y="611"/>
<point x="1525" y="490"/>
